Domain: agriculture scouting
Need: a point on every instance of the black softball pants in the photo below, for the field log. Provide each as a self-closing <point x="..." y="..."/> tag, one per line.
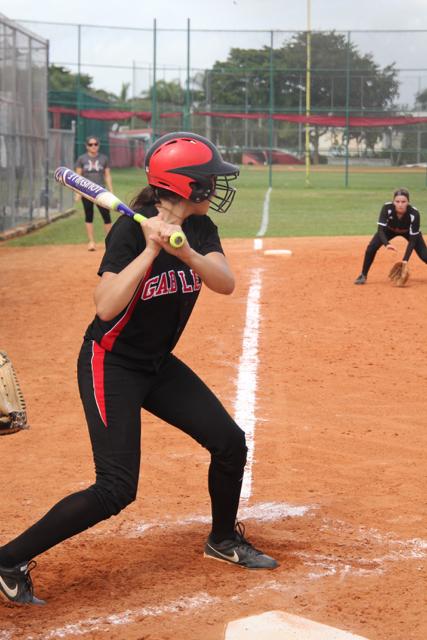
<point x="112" y="396"/>
<point x="376" y="243"/>
<point x="88" y="209"/>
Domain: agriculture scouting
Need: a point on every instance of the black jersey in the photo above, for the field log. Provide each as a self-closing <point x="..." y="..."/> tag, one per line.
<point x="151" y="324"/>
<point x="409" y="223"/>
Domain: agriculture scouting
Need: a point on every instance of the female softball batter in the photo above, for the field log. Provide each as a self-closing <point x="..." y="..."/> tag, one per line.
<point x="143" y="301"/>
<point x="397" y="218"/>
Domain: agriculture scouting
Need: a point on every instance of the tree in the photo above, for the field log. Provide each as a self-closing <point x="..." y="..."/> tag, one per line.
<point x="414" y="138"/>
<point x="123" y="97"/>
<point x="62" y="79"/>
<point x="421" y="99"/>
<point x="337" y="69"/>
<point x="168" y="93"/>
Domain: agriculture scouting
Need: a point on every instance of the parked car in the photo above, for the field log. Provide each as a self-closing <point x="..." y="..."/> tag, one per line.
<point x="261" y="157"/>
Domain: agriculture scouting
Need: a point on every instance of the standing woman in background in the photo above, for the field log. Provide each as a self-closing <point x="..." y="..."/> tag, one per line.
<point x="94" y="166"/>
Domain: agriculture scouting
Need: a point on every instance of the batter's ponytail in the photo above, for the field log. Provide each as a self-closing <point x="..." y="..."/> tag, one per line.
<point x="150" y="196"/>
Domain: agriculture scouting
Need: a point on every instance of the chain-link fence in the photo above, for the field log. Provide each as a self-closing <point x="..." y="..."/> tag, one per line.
<point x="23" y="125"/>
<point x="27" y="148"/>
<point x="265" y="97"/>
<point x="61" y="154"/>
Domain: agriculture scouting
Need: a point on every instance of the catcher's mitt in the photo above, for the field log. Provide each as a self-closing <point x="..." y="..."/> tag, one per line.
<point x="13" y="415"/>
<point x="399" y="273"/>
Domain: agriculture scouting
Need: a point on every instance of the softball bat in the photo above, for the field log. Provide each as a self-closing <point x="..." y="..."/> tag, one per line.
<point x="104" y="198"/>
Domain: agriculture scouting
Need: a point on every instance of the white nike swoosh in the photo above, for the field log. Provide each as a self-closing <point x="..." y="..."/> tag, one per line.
<point x="233" y="558"/>
<point x="12" y="593"/>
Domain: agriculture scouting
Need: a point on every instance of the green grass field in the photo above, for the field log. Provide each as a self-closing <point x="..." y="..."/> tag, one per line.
<point x="324" y="207"/>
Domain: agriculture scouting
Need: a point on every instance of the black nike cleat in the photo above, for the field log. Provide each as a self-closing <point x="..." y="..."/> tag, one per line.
<point x="360" y="279"/>
<point x="16" y="584"/>
<point x="239" y="551"/>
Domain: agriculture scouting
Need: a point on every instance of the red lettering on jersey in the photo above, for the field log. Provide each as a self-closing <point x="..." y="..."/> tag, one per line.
<point x="163" y="287"/>
<point x="166" y="283"/>
<point x="149" y="290"/>
<point x="186" y="288"/>
<point x="173" y="287"/>
<point x="197" y="281"/>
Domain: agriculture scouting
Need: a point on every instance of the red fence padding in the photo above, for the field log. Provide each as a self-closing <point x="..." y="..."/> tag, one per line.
<point x="322" y="120"/>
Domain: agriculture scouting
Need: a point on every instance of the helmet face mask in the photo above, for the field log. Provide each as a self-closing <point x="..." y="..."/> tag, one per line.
<point x="191" y="166"/>
<point x="217" y="190"/>
<point x="222" y="197"/>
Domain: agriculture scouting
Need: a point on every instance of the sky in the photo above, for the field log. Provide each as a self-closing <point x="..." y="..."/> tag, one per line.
<point x="228" y="14"/>
<point x="133" y="50"/>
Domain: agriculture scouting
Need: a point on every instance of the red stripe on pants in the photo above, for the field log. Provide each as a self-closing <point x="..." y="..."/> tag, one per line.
<point x="98" y="356"/>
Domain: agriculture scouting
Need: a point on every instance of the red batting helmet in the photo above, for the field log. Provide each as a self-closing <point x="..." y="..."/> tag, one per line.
<point x="191" y="166"/>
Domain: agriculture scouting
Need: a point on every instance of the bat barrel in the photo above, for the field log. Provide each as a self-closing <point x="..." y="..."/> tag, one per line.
<point x="105" y="198"/>
<point x="82" y="185"/>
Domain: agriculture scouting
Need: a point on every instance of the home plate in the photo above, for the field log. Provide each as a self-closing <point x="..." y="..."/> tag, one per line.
<point x="278" y="625"/>
<point x="277" y="252"/>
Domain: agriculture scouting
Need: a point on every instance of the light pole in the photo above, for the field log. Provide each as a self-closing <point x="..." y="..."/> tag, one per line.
<point x="301" y="89"/>
<point x="208" y="104"/>
<point x="245" y="89"/>
<point x="308" y="96"/>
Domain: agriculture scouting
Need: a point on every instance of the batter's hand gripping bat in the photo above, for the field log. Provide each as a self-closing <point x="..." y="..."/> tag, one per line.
<point x="104" y="198"/>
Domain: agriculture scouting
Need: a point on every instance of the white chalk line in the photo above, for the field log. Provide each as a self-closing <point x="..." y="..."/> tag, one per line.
<point x="325" y="565"/>
<point x="265" y="214"/>
<point x="411" y="549"/>
<point x="183" y="605"/>
<point x="398" y="550"/>
<point x="319" y="566"/>
<point x="262" y="512"/>
<point x="245" y="403"/>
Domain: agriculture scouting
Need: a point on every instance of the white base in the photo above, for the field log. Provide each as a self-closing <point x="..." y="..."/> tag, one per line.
<point x="278" y="625"/>
<point x="277" y="252"/>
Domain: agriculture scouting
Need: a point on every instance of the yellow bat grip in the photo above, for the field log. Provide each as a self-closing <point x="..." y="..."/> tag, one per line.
<point x="177" y="238"/>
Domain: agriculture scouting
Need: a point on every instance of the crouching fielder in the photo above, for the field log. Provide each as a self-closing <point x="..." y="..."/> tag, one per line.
<point x="397" y="218"/>
<point x="143" y="301"/>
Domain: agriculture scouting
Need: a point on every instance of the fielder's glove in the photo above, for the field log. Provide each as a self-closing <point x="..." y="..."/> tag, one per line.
<point x="399" y="273"/>
<point x="13" y="415"/>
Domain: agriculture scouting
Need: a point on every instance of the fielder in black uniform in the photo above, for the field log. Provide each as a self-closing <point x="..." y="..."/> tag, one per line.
<point x="397" y="218"/>
<point x="143" y="302"/>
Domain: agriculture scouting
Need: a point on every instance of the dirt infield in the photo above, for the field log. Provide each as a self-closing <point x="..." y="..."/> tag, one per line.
<point x="338" y="476"/>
